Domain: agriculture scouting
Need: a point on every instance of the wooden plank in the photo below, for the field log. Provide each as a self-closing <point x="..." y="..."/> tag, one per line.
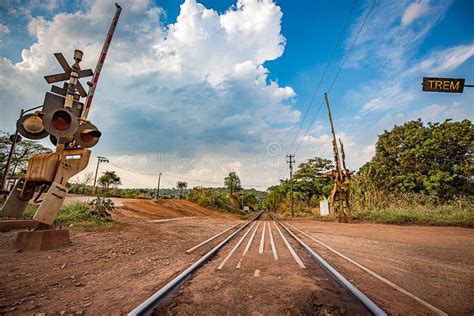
<point x="292" y="251"/>
<point x="235" y="248"/>
<point x="272" y="242"/>
<point x="247" y="248"/>
<point x="262" y="240"/>
<point x="210" y="239"/>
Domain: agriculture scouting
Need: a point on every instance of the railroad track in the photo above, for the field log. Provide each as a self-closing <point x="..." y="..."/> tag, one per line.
<point x="271" y="234"/>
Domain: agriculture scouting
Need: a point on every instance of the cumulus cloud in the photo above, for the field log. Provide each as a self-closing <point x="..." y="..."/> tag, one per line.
<point x="414" y="11"/>
<point x="193" y="88"/>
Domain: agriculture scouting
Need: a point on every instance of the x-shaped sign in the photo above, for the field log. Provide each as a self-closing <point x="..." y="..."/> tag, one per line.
<point x="67" y="73"/>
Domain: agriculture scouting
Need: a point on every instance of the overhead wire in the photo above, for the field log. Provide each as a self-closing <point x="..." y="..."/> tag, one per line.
<point x="177" y="177"/>
<point x="338" y="72"/>
<point x="323" y="75"/>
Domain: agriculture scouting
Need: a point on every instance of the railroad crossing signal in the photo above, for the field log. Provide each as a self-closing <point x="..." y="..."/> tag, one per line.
<point x="67" y="74"/>
<point x="61" y="111"/>
<point x="64" y="118"/>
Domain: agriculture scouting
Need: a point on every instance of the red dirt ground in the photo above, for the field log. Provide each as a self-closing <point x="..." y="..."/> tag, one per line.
<point x="97" y="273"/>
<point x="111" y="272"/>
<point x="434" y="263"/>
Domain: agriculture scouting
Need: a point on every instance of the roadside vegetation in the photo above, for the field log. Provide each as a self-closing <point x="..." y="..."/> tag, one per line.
<point x="420" y="174"/>
<point x="231" y="198"/>
<point x="82" y="215"/>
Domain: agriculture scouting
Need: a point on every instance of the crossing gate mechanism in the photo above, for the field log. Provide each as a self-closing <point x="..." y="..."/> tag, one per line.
<point x="63" y="117"/>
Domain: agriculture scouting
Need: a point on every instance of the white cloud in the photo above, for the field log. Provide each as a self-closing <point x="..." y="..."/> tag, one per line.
<point x="196" y="88"/>
<point x="385" y="42"/>
<point x="392" y="96"/>
<point x="414" y="11"/>
<point x="4" y="29"/>
<point x="442" y="61"/>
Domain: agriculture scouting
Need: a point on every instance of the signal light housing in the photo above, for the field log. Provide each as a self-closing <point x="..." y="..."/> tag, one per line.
<point x="87" y="135"/>
<point x="31" y="126"/>
<point x="61" y="123"/>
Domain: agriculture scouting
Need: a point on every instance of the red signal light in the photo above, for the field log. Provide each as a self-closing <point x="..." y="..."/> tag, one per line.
<point x="89" y="135"/>
<point x="61" y="120"/>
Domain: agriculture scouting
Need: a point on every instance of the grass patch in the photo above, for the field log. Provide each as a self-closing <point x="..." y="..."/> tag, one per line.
<point x="446" y="215"/>
<point x="76" y="215"/>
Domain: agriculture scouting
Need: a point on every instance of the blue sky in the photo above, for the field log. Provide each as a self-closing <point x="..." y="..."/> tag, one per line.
<point x="201" y="88"/>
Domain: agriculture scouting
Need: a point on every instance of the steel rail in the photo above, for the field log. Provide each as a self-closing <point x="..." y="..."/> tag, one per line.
<point x="346" y="284"/>
<point x="147" y="307"/>
<point x="434" y="309"/>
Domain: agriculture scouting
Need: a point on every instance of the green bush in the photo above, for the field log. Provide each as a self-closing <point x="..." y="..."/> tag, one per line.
<point x="78" y="214"/>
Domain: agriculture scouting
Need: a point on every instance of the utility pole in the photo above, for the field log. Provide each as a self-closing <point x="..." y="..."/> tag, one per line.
<point x="99" y="160"/>
<point x="291" y="161"/>
<point x="158" y="187"/>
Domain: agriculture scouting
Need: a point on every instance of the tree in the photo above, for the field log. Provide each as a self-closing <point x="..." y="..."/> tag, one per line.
<point x="23" y="151"/>
<point x="436" y="159"/>
<point x="109" y="179"/>
<point x="309" y="179"/>
<point x="181" y="186"/>
<point x="232" y="183"/>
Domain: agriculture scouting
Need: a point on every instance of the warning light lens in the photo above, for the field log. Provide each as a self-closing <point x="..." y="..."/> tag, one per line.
<point x="89" y="136"/>
<point x="33" y="124"/>
<point x="61" y="120"/>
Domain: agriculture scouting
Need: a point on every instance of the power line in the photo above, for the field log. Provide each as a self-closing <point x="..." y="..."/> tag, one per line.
<point x="179" y="177"/>
<point x="323" y="75"/>
<point x="338" y="72"/>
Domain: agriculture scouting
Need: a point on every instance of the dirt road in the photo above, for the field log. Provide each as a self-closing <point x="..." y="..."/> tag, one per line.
<point x="434" y="263"/>
<point x="114" y="271"/>
<point x="100" y="270"/>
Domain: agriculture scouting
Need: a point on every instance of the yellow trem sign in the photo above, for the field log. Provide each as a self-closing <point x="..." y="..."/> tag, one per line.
<point x="450" y="85"/>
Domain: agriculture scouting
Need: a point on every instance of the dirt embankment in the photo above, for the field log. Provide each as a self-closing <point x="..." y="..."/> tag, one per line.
<point x="147" y="209"/>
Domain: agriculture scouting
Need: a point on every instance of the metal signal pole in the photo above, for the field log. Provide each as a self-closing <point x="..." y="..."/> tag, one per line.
<point x="15" y="139"/>
<point x="158" y="187"/>
<point x="291" y="161"/>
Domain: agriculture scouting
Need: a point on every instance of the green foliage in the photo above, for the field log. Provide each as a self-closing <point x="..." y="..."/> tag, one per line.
<point x="309" y="186"/>
<point x="181" y="186"/>
<point x="452" y="214"/>
<point x="101" y="207"/>
<point x="435" y="160"/>
<point x="23" y="151"/>
<point x="78" y="214"/>
<point x="219" y="199"/>
<point x="208" y="197"/>
<point x="109" y="179"/>
<point x="81" y="185"/>
<point x="232" y="183"/>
